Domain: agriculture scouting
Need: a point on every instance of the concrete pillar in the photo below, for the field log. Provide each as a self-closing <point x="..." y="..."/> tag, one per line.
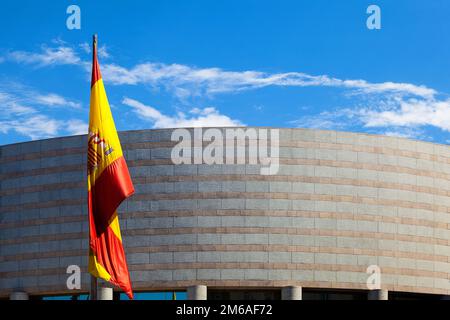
<point x="104" y="293"/>
<point x="291" y="293"/>
<point x="197" y="292"/>
<point x="18" y="295"/>
<point x="378" y="294"/>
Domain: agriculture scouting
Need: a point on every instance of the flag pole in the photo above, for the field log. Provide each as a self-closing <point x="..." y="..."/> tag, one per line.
<point x="94" y="44"/>
<point x="94" y="286"/>
<point x="107" y="255"/>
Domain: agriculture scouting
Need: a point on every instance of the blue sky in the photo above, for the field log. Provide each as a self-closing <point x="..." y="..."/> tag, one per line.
<point x="217" y="63"/>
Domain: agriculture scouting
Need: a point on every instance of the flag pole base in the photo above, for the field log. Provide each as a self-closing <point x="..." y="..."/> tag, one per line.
<point x="93" y="293"/>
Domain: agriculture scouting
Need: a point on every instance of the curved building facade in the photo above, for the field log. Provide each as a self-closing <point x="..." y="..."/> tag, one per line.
<point x="341" y="205"/>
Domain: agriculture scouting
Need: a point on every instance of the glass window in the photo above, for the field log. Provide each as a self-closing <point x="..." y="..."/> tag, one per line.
<point x="178" y="295"/>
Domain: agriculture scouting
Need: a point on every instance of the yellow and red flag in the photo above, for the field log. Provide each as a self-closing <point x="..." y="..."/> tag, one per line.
<point x="109" y="183"/>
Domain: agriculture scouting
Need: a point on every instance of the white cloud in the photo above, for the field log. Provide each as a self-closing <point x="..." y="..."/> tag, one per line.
<point x="338" y="119"/>
<point x="40" y="126"/>
<point x="35" y="127"/>
<point x="85" y="47"/>
<point x="389" y="106"/>
<point x="410" y="113"/>
<point x="207" y="117"/>
<point x="393" y="116"/>
<point x="118" y="75"/>
<point x="103" y="52"/>
<point x="53" y="99"/>
<point x="18" y="95"/>
<point x="12" y="105"/>
<point x="410" y="133"/>
<point x="76" y="127"/>
<point x="184" y="80"/>
<point x="60" y="55"/>
<point x="22" y="112"/>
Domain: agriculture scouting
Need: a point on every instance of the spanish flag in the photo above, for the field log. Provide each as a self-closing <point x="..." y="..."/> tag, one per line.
<point x="109" y="183"/>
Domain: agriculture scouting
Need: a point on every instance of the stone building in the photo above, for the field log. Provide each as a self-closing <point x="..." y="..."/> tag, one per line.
<point x="340" y="206"/>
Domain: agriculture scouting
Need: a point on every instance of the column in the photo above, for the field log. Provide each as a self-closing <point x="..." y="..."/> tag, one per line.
<point x="18" y="295"/>
<point x="291" y="293"/>
<point x="104" y="293"/>
<point x="197" y="292"/>
<point x="378" y="294"/>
